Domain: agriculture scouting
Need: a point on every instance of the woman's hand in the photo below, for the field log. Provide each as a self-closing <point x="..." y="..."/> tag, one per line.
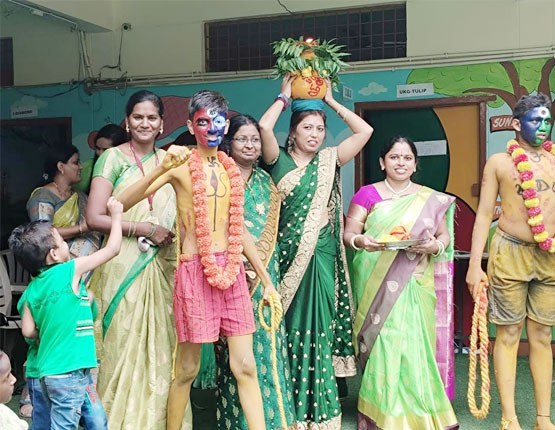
<point x="328" y="97"/>
<point x="161" y="236"/>
<point x="83" y="227"/>
<point x="368" y="243"/>
<point x="430" y="246"/>
<point x="286" y="84"/>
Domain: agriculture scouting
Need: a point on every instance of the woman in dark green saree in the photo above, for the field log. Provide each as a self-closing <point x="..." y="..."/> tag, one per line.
<point x="314" y="282"/>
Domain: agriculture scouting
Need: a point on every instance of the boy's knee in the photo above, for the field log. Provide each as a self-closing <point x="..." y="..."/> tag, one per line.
<point x="186" y="372"/>
<point x="243" y="367"/>
<point x="539" y="333"/>
<point x="509" y="334"/>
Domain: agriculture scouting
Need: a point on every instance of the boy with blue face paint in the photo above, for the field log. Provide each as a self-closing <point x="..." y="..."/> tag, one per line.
<point x="209" y="298"/>
<point x="521" y="265"/>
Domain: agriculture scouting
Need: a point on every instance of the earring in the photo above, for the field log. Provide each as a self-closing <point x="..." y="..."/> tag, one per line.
<point x="161" y="130"/>
<point x="290" y="143"/>
<point x="62" y="172"/>
<point x="127" y="127"/>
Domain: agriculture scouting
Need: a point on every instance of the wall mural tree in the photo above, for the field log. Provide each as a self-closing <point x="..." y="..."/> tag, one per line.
<point x="507" y="80"/>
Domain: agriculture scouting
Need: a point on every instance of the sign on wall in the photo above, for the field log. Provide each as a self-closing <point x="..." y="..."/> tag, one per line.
<point x="24" y="112"/>
<point x="415" y="90"/>
<point x="500" y="123"/>
<point x="431" y="147"/>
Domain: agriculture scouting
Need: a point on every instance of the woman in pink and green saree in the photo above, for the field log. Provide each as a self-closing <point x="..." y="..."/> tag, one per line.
<point x="404" y="298"/>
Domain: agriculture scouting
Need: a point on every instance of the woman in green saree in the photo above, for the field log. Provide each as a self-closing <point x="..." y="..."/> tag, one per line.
<point x="262" y="202"/>
<point x="136" y="330"/>
<point x="60" y="204"/>
<point x="314" y="282"/>
<point x="397" y="319"/>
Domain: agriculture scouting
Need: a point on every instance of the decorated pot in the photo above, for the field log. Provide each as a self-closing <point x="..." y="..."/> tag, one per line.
<point x="308" y="86"/>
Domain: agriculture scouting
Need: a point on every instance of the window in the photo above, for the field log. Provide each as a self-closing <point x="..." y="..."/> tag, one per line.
<point x="6" y="62"/>
<point x="369" y="34"/>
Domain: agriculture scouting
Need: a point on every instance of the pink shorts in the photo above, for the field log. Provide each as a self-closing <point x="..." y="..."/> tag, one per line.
<point x="202" y="311"/>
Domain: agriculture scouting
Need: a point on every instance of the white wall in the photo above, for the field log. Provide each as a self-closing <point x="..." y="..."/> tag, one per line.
<point x="436" y="27"/>
<point x="167" y="36"/>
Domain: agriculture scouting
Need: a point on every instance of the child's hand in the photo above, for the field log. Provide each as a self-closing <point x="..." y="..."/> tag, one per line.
<point x="114" y="206"/>
<point x="175" y="156"/>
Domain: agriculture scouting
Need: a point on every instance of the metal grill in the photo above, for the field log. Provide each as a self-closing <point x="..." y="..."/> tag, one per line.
<point x="369" y="34"/>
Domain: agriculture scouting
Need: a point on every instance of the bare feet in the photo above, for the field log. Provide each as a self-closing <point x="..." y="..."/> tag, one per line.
<point x="543" y="423"/>
<point x="510" y="424"/>
<point x="26" y="410"/>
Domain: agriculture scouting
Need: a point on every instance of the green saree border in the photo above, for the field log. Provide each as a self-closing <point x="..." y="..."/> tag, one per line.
<point x="312" y="225"/>
<point x="137" y="268"/>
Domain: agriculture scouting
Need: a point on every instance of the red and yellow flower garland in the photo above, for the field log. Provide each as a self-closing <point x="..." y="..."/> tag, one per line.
<point x="214" y="274"/>
<point x="531" y="201"/>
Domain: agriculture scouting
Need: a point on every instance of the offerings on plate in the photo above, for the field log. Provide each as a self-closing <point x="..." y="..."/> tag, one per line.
<point x="396" y="234"/>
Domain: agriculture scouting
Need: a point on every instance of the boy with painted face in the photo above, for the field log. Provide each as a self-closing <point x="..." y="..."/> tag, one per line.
<point x="521" y="266"/>
<point x="211" y="296"/>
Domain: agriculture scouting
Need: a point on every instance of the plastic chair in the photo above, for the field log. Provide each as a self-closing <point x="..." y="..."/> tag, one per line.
<point x="7" y="320"/>
<point x="18" y="276"/>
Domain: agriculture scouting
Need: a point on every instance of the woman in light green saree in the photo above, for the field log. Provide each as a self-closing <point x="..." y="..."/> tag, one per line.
<point x="136" y="332"/>
<point x="403" y="339"/>
<point x="261" y="214"/>
<point x="64" y="207"/>
<point x="314" y="283"/>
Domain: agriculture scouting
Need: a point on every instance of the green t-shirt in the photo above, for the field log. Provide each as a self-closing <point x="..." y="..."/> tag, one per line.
<point x="64" y="321"/>
<point x="32" y="369"/>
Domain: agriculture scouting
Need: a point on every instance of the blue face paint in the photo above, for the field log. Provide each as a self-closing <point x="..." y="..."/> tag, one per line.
<point x="536" y="126"/>
<point x="209" y="127"/>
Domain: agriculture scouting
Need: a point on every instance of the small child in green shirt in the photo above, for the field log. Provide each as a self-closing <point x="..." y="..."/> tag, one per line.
<point x="58" y="312"/>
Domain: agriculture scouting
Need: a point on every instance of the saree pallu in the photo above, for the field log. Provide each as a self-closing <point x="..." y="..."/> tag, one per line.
<point x="399" y="316"/>
<point x="315" y="286"/>
<point x="43" y="204"/>
<point x="261" y="219"/>
<point x="136" y="333"/>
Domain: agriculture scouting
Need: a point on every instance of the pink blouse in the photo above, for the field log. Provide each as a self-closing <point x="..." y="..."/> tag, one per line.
<point x="367" y="197"/>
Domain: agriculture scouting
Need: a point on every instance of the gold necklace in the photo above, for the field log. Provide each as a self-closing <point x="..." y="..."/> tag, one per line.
<point x="63" y="194"/>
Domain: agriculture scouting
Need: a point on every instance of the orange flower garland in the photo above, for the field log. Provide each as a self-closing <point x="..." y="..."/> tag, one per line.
<point x="531" y="201"/>
<point x="214" y="274"/>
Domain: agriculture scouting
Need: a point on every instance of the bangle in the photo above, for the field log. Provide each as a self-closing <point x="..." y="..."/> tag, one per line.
<point x="152" y="230"/>
<point x="352" y="242"/>
<point x="441" y="248"/>
<point x="131" y="229"/>
<point x="339" y="113"/>
<point x="282" y="97"/>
